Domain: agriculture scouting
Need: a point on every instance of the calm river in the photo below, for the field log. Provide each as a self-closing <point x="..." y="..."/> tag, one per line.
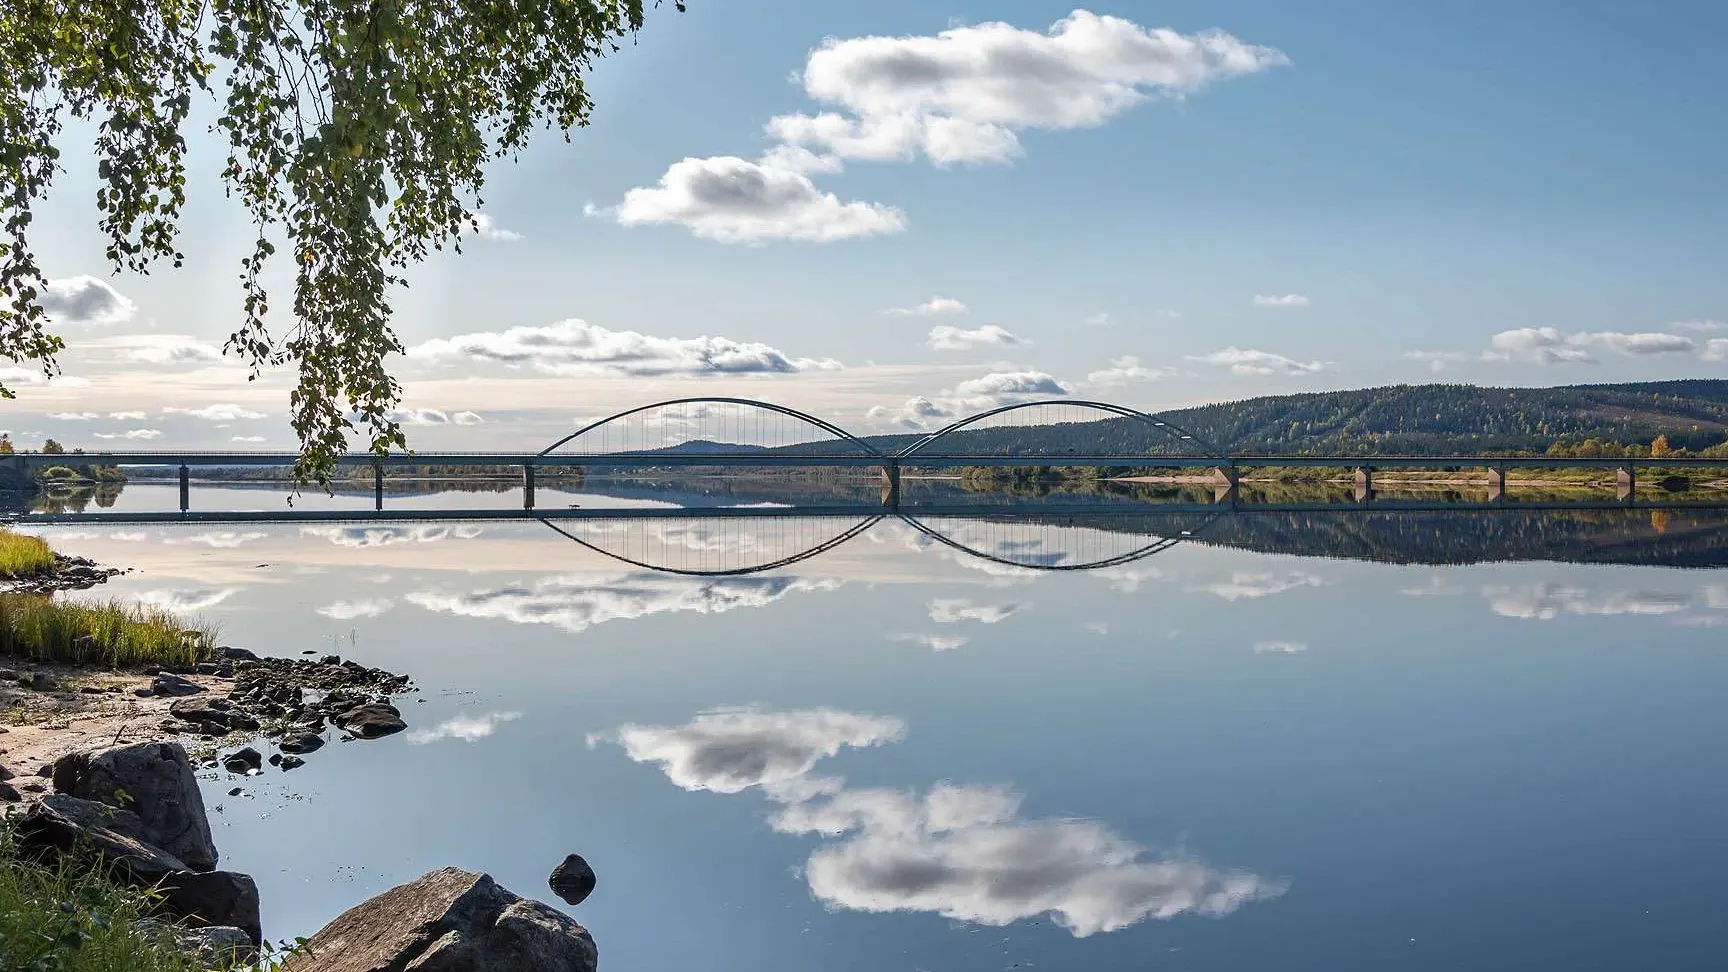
<point x="1474" y="741"/>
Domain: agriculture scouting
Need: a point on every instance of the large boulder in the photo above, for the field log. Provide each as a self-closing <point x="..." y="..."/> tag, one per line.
<point x="60" y="824"/>
<point x="448" y="921"/>
<point x="573" y="880"/>
<point x="217" y="947"/>
<point x="371" y="720"/>
<point x="153" y="780"/>
<point x="212" y="899"/>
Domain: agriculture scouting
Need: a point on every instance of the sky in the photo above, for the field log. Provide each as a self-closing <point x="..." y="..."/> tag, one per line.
<point x="896" y="214"/>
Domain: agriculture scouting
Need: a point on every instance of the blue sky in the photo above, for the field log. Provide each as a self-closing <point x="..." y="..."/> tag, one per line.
<point x="1244" y="198"/>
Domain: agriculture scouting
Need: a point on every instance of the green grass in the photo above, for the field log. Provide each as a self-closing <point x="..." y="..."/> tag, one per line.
<point x="22" y="556"/>
<point x="113" y="633"/>
<point x="68" y="917"/>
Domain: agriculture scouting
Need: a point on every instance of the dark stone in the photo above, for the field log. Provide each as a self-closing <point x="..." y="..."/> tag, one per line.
<point x="155" y="780"/>
<point x="210" y="711"/>
<point x="237" y="654"/>
<point x="92" y="690"/>
<point x="275" y="759"/>
<point x="166" y="684"/>
<point x="33" y="788"/>
<point x="8" y="675"/>
<point x="301" y="742"/>
<point x="243" y="761"/>
<point x="9" y="793"/>
<point x="573" y="880"/>
<point x="5" y="774"/>
<point x="59" y="825"/>
<point x="292" y="762"/>
<point x="330" y="660"/>
<point x="213" y="898"/>
<point x="235" y="792"/>
<point x="143" y="693"/>
<point x="371" y="721"/>
<point x="44" y="682"/>
<point x="448" y="921"/>
<point x="218" y="947"/>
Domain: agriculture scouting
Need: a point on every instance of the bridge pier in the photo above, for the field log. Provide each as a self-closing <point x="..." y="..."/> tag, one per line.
<point x="1364" y="484"/>
<point x="1626" y="483"/>
<point x="891" y="484"/>
<point x="1496" y="484"/>
<point x="528" y="486"/>
<point x="377" y="485"/>
<point x="1226" y="480"/>
<point x="185" y="488"/>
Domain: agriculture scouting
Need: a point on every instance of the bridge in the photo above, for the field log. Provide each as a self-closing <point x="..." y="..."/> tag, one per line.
<point x="736" y="434"/>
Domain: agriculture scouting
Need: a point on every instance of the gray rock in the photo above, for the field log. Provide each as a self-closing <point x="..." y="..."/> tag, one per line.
<point x="448" y="921"/>
<point x="166" y="684"/>
<point x="208" y="711"/>
<point x="44" y="682"/>
<point x="5" y="774"/>
<point x="573" y="880"/>
<point x="218" y="947"/>
<point x="9" y="793"/>
<point x="292" y="762"/>
<point x="59" y="825"/>
<point x="212" y="898"/>
<point x="238" y="654"/>
<point x="143" y="693"/>
<point x="155" y="781"/>
<point x="301" y="742"/>
<point x="371" y="720"/>
<point x="243" y="761"/>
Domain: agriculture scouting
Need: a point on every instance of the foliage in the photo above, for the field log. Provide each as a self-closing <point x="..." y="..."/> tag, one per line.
<point x="53" y="448"/>
<point x="23" y="556"/>
<point x="112" y="633"/>
<point x="68" y="917"/>
<point x="6" y="448"/>
<point x="358" y="134"/>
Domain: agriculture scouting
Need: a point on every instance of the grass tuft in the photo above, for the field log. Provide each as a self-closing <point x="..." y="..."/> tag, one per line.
<point x="23" y="556"/>
<point x="113" y="633"/>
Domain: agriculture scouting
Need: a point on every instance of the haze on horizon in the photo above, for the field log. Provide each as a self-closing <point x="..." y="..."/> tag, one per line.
<point x="884" y="214"/>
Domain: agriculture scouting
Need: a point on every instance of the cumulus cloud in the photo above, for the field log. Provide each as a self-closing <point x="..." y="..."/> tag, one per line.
<point x="163" y="349"/>
<point x="224" y="412"/>
<point x="85" y="300"/>
<point x="10" y="375"/>
<point x="350" y="610"/>
<point x="467" y="418"/>
<point x="961" y="96"/>
<point x="220" y="539"/>
<point x="463" y="727"/>
<point x="1716" y="349"/>
<point x="487" y="228"/>
<point x="1701" y="326"/>
<point x="1547" y="345"/>
<point x="74" y="416"/>
<point x="930" y="308"/>
<point x="185" y="598"/>
<point x="418" y="416"/>
<point x="1247" y="361"/>
<point x="732" y="750"/>
<point x="246" y="438"/>
<point x="575" y="603"/>
<point x="973" y="395"/>
<point x="1126" y="369"/>
<point x="385" y="536"/>
<point x="575" y="347"/>
<point x="951" y="610"/>
<point x="1280" y="647"/>
<point x="133" y="434"/>
<point x="1436" y="360"/>
<point x="946" y="338"/>
<point x="1545" y="602"/>
<point x="1250" y="585"/>
<point x="1280" y="300"/>
<point x="734" y="200"/>
<point x="127" y="416"/>
<point x="1001" y="387"/>
<point x="934" y="642"/>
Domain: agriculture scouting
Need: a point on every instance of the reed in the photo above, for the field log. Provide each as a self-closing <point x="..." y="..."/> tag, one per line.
<point x="115" y="634"/>
<point x="23" y="556"/>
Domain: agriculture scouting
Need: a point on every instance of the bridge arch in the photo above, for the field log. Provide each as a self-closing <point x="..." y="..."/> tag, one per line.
<point x="735" y="570"/>
<point x="805" y="417"/>
<point x="1120" y="411"/>
<point x="1129" y="552"/>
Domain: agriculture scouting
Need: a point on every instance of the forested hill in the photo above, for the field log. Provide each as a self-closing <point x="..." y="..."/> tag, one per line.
<point x="1396" y="419"/>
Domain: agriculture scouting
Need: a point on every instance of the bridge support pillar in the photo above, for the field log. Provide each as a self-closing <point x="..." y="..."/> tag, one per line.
<point x="891" y="485"/>
<point x="377" y="485"/>
<point x="185" y="488"/>
<point x="1226" y="480"/>
<point x="528" y="486"/>
<point x="1626" y="483"/>
<point x="1496" y="484"/>
<point x="1364" y="483"/>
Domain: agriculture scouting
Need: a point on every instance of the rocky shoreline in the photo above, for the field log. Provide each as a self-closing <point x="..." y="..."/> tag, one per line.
<point x="67" y="574"/>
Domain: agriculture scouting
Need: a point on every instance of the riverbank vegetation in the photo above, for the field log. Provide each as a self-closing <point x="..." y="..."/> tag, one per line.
<point x="23" y="556"/>
<point x="116" y="634"/>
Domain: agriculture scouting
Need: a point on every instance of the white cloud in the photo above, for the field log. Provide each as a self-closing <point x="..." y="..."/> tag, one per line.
<point x="350" y="610"/>
<point x="575" y="603"/>
<point x="1545" y="602"/>
<point x="973" y="395"/>
<point x="732" y="750"/>
<point x="488" y="229"/>
<point x="934" y="642"/>
<point x="933" y="307"/>
<point x="224" y="412"/>
<point x="1280" y="647"/>
<point x="1126" y="369"/>
<point x="1247" y="361"/>
<point x="1436" y="360"/>
<point x="1280" y="300"/>
<point x="85" y="300"/>
<point x="246" y="438"/>
<point x="1547" y="345"/>
<point x="220" y="539"/>
<point x="951" y="610"/>
<point x="1701" y="326"/>
<point x="1001" y="387"/>
<point x="734" y="200"/>
<point x="575" y="347"/>
<point x="21" y="376"/>
<point x="74" y="416"/>
<point x="1100" y="319"/>
<point x="419" y="416"/>
<point x="385" y="536"/>
<point x="946" y="338"/>
<point x="465" y="728"/>
<point x="165" y="349"/>
<point x="1716" y="349"/>
<point x="1249" y="585"/>
<point x="962" y="95"/>
<point x="467" y="418"/>
<point x="133" y="434"/>
<point x="127" y="416"/>
<point x="185" y="599"/>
